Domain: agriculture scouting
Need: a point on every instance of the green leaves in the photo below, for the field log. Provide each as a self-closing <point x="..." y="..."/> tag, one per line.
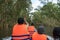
<point x="48" y="15"/>
<point x="10" y="11"/>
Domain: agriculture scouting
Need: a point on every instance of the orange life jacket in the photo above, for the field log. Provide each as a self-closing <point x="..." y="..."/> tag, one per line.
<point x="31" y="30"/>
<point x="37" y="36"/>
<point x="20" y="32"/>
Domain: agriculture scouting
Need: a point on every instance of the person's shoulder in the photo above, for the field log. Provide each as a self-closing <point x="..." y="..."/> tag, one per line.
<point x="35" y="33"/>
<point x="16" y="25"/>
<point x="24" y="24"/>
<point x="32" y="26"/>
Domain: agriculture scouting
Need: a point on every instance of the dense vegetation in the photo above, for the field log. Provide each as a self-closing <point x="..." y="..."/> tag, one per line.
<point x="11" y="10"/>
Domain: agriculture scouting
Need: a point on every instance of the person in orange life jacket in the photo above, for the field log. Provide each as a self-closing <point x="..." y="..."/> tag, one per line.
<point x="39" y="35"/>
<point x="20" y="31"/>
<point x="31" y="29"/>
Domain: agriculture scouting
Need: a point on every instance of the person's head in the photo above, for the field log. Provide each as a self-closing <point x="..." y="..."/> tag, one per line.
<point x="32" y="24"/>
<point x="40" y="30"/>
<point x="56" y="32"/>
<point x="21" y="20"/>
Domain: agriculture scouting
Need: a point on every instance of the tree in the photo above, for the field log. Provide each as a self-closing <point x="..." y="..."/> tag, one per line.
<point x="58" y="2"/>
<point x="51" y="10"/>
<point x="48" y="15"/>
<point x="10" y="11"/>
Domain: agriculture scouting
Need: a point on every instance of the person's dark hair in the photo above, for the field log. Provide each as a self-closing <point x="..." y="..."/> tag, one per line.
<point x="56" y="32"/>
<point x="40" y="30"/>
<point x="32" y="23"/>
<point x="21" y="20"/>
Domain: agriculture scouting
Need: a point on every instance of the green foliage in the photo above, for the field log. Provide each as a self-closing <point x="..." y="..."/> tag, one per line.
<point x="48" y="15"/>
<point x="10" y="11"/>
